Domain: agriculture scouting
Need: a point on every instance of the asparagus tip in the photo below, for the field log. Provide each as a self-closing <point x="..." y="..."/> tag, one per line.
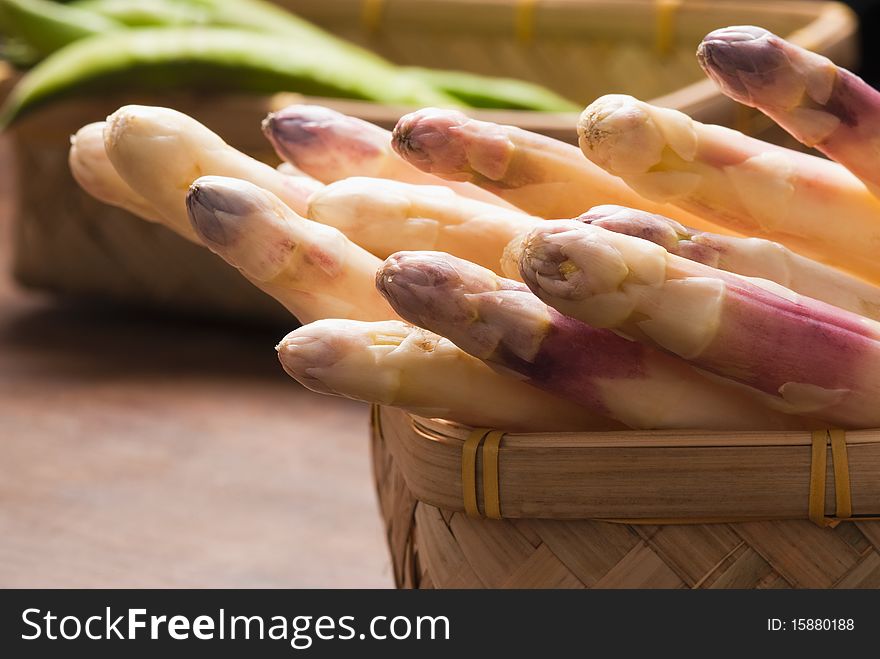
<point x="241" y="222"/>
<point x="427" y="139"/>
<point x="298" y="124"/>
<point x="740" y="57"/>
<point x="202" y="205"/>
<point x="571" y="262"/>
<point x="617" y="132"/>
<point x="302" y="354"/>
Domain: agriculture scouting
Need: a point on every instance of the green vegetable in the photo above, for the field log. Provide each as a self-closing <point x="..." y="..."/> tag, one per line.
<point x="255" y="15"/>
<point x="150" y="13"/>
<point x="490" y="92"/>
<point x="47" y="26"/>
<point x="44" y="27"/>
<point x="471" y="89"/>
<point x="211" y="59"/>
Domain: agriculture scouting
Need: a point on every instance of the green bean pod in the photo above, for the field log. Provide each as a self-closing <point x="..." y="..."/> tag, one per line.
<point x="47" y="26"/>
<point x="150" y="13"/>
<point x="256" y="15"/>
<point x="212" y="59"/>
<point x="471" y="89"/>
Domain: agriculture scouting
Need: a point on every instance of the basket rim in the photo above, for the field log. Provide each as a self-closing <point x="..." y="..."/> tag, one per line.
<point x="452" y="433"/>
<point x="634" y="475"/>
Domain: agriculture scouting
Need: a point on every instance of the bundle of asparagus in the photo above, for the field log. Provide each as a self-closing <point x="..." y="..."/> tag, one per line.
<point x="707" y="280"/>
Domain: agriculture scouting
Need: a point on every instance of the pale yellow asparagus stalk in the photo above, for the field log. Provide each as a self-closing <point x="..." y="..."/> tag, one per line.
<point x="332" y="146"/>
<point x="505" y="325"/>
<point x="810" y="204"/>
<point x="394" y="363"/>
<point x="800" y="355"/>
<point x="543" y="176"/>
<point x="386" y="216"/>
<point x="312" y="269"/>
<point x="752" y="257"/>
<point x="159" y="152"/>
<point x="821" y="104"/>
<point x="95" y="174"/>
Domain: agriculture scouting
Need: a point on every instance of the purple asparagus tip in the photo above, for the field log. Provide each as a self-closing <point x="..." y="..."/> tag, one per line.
<point x="217" y="206"/>
<point x="407" y="279"/>
<point x="427" y="139"/>
<point x="298" y="126"/>
<point x="740" y="57"/>
<point x="201" y="205"/>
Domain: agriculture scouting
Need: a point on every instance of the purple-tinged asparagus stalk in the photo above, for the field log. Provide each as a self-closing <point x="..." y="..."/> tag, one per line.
<point x="819" y="103"/>
<point x="751" y="257"/>
<point x="332" y="146"/>
<point x="807" y="203"/>
<point x="394" y="363"/>
<point x="385" y="216"/>
<point x="499" y="321"/>
<point x="541" y="175"/>
<point x="312" y="269"/>
<point x="803" y="356"/>
<point x="159" y="152"/>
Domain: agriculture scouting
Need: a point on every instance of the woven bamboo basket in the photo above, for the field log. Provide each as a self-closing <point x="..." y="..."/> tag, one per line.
<point x="69" y="243"/>
<point x="671" y="509"/>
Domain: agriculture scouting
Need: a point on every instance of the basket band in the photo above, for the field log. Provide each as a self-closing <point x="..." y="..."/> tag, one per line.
<point x="524" y="20"/>
<point x="490" y="442"/>
<point x="485" y="443"/>
<point x="491" y="484"/>
<point x="664" y="36"/>
<point x="818" y="470"/>
<point x="371" y="15"/>
<point x="469" y="470"/>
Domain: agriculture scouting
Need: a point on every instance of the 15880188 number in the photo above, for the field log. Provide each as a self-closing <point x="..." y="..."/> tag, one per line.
<point x="822" y="624"/>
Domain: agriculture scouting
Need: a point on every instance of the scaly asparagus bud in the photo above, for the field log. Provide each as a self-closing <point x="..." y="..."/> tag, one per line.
<point x="385" y="216"/>
<point x="393" y="363"/>
<point x="822" y="105"/>
<point x="159" y="152"/>
<point x="502" y="323"/>
<point x="312" y="269"/>
<point x="543" y="176"/>
<point x="95" y="174"/>
<point x="805" y="356"/>
<point x="332" y="146"/>
<point x="807" y="203"/>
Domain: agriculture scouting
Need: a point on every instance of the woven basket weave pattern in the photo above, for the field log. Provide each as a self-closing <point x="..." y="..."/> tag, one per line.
<point x="434" y="548"/>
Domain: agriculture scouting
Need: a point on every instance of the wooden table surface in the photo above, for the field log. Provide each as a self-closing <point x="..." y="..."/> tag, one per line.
<point x="145" y="451"/>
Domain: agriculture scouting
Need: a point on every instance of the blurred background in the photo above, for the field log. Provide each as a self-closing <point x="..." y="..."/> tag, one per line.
<point x="148" y="436"/>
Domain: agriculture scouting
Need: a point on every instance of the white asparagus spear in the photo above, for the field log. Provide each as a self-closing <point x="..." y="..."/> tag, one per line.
<point x="541" y="175"/>
<point x="821" y="104"/>
<point x="312" y="269"/>
<point x="385" y="216"/>
<point x="394" y="363"/>
<point x="159" y="152"/>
